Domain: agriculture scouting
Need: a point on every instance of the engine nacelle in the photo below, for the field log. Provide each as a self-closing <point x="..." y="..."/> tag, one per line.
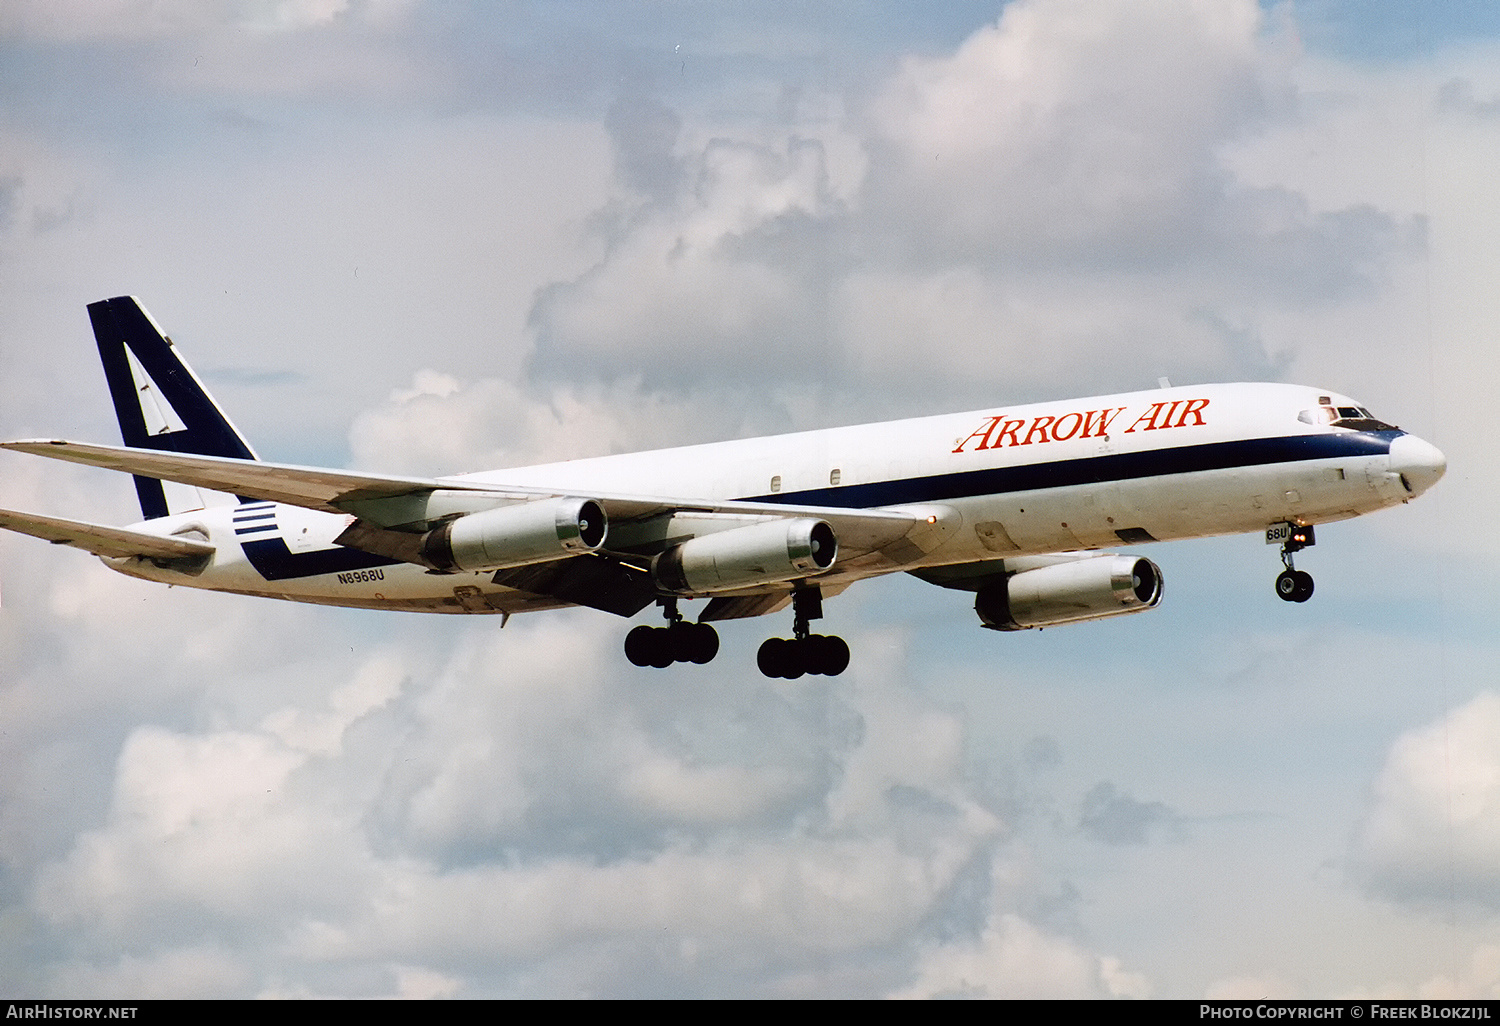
<point x="778" y="550"/>
<point x="1090" y="588"/>
<point x="527" y="532"/>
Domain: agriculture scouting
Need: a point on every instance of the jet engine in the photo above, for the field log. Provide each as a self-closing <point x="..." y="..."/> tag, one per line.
<point x="527" y="532"/>
<point x="777" y="550"/>
<point x="1090" y="588"/>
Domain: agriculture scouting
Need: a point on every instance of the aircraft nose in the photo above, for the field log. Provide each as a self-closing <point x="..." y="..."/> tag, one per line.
<point x="1419" y="463"/>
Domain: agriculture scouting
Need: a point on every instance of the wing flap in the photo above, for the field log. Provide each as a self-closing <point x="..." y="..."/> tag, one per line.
<point x="584" y="581"/>
<point x="739" y="607"/>
<point x="115" y="542"/>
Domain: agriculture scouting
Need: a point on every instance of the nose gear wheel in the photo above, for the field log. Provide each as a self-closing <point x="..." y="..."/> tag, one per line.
<point x="1293" y="585"/>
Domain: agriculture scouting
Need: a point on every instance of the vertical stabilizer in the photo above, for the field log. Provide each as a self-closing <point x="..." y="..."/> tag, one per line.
<point x="159" y="401"/>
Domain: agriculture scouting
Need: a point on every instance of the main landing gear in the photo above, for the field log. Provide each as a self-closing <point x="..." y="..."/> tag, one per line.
<point x="678" y="642"/>
<point x="804" y="652"/>
<point x="1293" y="585"/>
<point x="684" y="642"/>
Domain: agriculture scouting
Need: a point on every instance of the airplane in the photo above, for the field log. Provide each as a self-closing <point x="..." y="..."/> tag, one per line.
<point x="1018" y="505"/>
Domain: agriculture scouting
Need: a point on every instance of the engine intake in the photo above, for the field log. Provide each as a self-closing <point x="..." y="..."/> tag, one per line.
<point x="527" y="532"/>
<point x="778" y="550"/>
<point x="1081" y="589"/>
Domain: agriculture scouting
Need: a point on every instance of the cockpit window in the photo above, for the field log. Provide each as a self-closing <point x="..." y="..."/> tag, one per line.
<point x="1354" y="418"/>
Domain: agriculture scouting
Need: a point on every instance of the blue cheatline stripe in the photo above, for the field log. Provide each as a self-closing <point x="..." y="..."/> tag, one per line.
<point x="275" y="562"/>
<point x="1130" y="466"/>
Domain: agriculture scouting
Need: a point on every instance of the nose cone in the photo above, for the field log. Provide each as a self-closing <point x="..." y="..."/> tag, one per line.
<point x="1419" y="463"/>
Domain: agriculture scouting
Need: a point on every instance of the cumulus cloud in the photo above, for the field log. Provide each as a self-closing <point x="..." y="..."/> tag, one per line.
<point x="523" y="803"/>
<point x="1251" y="988"/>
<point x="734" y="265"/>
<point x="1014" y="959"/>
<point x="208" y="824"/>
<point x="1479" y="979"/>
<point x="1475" y="974"/>
<point x="1057" y="185"/>
<point x="479" y="776"/>
<point x="441" y="424"/>
<point x="133" y="19"/>
<point x="1037" y="192"/>
<point x="206" y="971"/>
<point x="1113" y="817"/>
<point x="1432" y="835"/>
<point x="1068" y="126"/>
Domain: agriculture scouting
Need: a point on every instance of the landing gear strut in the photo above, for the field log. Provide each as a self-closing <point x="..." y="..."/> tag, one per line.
<point x="804" y="652"/>
<point x="678" y="642"/>
<point x="1293" y="585"/>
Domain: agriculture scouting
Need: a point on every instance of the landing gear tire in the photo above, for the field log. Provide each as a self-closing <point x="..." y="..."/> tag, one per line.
<point x="650" y="646"/>
<point x="1294" y="586"/>
<point x="817" y="654"/>
<point x="777" y="658"/>
<point x="827" y="655"/>
<point x="1304" y="587"/>
<point x="680" y="643"/>
<point x="695" y="642"/>
<point x="640" y="645"/>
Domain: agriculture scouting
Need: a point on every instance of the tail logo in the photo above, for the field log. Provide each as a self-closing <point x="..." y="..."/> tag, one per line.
<point x="159" y="401"/>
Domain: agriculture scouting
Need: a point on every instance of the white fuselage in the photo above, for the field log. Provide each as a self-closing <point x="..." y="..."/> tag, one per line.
<point x="1054" y="477"/>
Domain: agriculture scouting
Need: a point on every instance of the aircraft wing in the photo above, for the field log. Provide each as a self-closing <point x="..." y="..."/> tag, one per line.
<point x="893" y="536"/>
<point x="102" y="541"/>
<point x="273" y="482"/>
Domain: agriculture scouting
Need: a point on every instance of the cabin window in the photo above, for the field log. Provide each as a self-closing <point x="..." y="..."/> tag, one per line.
<point x="776" y="483"/>
<point x="834" y="476"/>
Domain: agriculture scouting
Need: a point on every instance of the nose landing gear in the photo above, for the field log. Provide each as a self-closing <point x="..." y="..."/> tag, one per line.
<point x="1292" y="585"/>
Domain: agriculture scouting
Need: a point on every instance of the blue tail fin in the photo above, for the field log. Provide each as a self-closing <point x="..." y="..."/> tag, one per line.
<point x="158" y="399"/>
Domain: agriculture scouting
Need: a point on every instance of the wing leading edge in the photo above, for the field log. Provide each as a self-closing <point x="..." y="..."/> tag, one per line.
<point x="273" y="482"/>
<point x="382" y="502"/>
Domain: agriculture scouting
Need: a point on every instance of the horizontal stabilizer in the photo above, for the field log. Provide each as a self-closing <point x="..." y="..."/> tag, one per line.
<point x="115" y="542"/>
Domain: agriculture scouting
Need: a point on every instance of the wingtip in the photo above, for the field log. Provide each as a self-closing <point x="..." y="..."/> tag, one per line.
<point x="27" y="444"/>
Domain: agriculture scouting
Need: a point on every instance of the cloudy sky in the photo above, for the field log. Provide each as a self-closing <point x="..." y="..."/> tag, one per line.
<point x="431" y="237"/>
